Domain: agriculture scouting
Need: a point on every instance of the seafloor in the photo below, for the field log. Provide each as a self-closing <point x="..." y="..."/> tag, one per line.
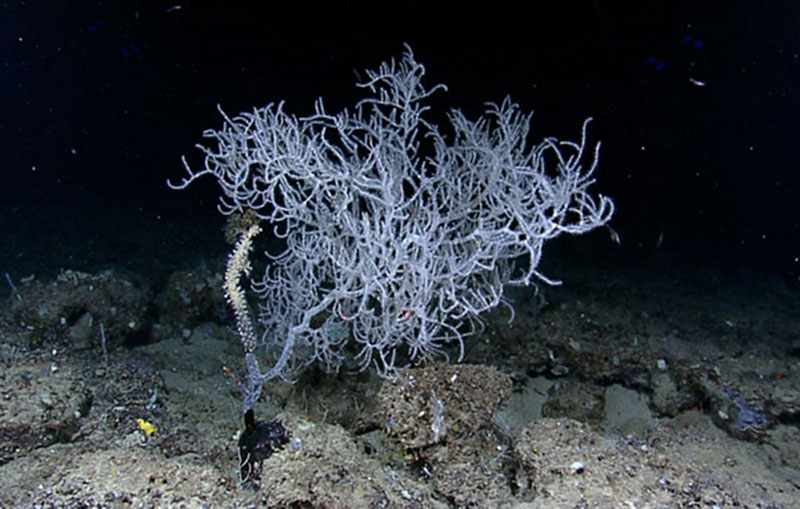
<point x="657" y="384"/>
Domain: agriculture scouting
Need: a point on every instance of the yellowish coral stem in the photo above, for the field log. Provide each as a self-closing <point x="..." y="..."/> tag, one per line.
<point x="239" y="264"/>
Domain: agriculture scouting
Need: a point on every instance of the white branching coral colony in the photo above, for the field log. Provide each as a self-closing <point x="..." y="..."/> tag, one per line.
<point x="397" y="235"/>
